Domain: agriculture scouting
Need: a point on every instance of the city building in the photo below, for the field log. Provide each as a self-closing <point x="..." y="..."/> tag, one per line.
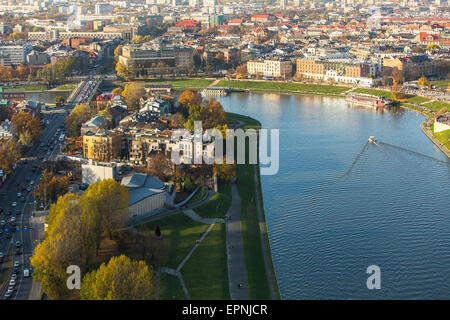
<point x="411" y="67"/>
<point x="92" y="172"/>
<point x="337" y="70"/>
<point x="146" y="193"/>
<point x="13" y="55"/>
<point x="102" y="145"/>
<point x="156" y="59"/>
<point x="270" y="68"/>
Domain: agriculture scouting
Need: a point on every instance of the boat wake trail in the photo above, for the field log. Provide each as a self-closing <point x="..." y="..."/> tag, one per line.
<point x="355" y="161"/>
<point x="414" y="153"/>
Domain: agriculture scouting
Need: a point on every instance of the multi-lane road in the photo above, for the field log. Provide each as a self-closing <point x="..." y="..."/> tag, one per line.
<point x="25" y="174"/>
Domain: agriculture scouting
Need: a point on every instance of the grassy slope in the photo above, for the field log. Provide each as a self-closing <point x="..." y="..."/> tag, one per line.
<point x="180" y="232"/>
<point x="218" y="205"/>
<point x="206" y="272"/>
<point x="282" y="86"/>
<point x="443" y="136"/>
<point x="169" y="288"/>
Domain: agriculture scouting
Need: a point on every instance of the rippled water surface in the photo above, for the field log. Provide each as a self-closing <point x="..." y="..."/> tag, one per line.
<point x="339" y="204"/>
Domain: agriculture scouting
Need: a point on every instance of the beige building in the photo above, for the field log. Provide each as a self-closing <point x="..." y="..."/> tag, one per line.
<point x="102" y="146"/>
<point x="270" y="68"/>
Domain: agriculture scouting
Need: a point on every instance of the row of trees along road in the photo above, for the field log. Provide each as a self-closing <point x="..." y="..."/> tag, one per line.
<point x="76" y="226"/>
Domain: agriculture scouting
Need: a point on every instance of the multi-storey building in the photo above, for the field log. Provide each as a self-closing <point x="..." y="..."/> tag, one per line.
<point x="270" y="68"/>
<point x="156" y="59"/>
<point x="411" y="67"/>
<point x="13" y="55"/>
<point x="338" y="70"/>
<point x="102" y="146"/>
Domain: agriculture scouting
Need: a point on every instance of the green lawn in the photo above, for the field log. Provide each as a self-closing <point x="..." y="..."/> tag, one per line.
<point x="437" y="105"/>
<point x="235" y="118"/>
<point x="197" y="197"/>
<point x="282" y="86"/>
<point x="25" y="88"/>
<point x="183" y="83"/>
<point x="417" y="99"/>
<point x="180" y="233"/>
<point x="66" y="87"/>
<point x="169" y="288"/>
<point x="218" y="205"/>
<point x="443" y="136"/>
<point x="205" y="273"/>
<point x="441" y="83"/>
<point x="374" y="92"/>
<point x="413" y="107"/>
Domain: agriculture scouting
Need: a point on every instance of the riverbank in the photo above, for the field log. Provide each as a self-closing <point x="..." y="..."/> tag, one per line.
<point x="262" y="281"/>
<point x="425" y="106"/>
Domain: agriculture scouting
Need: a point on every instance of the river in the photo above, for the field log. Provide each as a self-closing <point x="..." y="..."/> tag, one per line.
<point x="339" y="204"/>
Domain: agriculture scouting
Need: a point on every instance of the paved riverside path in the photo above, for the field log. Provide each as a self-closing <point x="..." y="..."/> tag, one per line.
<point x="237" y="273"/>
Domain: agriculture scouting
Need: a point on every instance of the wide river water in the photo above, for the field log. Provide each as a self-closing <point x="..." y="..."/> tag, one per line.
<point x="339" y="204"/>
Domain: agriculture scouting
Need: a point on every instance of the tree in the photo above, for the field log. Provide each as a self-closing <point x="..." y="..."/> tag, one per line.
<point x="51" y="187"/>
<point x="226" y="172"/>
<point x="9" y="154"/>
<point x="177" y="121"/>
<point x="25" y="126"/>
<point x="188" y="99"/>
<point x="120" y="279"/>
<point x="132" y="94"/>
<point x="160" y="166"/>
<point x="117" y="91"/>
<point x="68" y="242"/>
<point x="124" y="71"/>
<point x="423" y="81"/>
<point x="79" y="115"/>
<point x="242" y="69"/>
<point x="110" y="198"/>
<point x="117" y="52"/>
<point x="59" y="100"/>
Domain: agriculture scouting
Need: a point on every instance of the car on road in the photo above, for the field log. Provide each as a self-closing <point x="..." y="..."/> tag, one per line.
<point x="29" y="188"/>
<point x="19" y="194"/>
<point x="12" y="282"/>
<point x="18" y="252"/>
<point x="8" y="235"/>
<point x="8" y="295"/>
<point x="18" y="244"/>
<point x="18" y="212"/>
<point x="13" y="219"/>
<point x="14" y="276"/>
<point x="14" y="204"/>
<point x="10" y="289"/>
<point x="2" y="222"/>
<point x="16" y="264"/>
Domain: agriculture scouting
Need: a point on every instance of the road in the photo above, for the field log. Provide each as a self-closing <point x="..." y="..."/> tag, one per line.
<point x="45" y="148"/>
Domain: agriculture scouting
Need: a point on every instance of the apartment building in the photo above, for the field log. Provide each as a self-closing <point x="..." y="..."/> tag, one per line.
<point x="338" y="70"/>
<point x="411" y="67"/>
<point x="156" y="59"/>
<point x="13" y="55"/>
<point x="102" y="146"/>
<point x="270" y="68"/>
